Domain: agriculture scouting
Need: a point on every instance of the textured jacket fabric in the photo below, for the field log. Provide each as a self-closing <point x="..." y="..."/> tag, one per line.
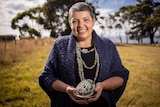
<point x="61" y="65"/>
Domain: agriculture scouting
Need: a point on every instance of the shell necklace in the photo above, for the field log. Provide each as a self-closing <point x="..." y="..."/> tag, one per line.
<point x="86" y="51"/>
<point x="82" y="64"/>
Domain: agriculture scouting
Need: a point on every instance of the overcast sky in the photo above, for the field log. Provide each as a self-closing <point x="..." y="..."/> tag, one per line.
<point x="9" y="9"/>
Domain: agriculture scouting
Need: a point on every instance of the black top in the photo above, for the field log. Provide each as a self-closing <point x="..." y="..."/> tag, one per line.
<point x="89" y="60"/>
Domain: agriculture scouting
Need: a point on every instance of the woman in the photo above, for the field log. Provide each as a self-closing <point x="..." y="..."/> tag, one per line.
<point x="83" y="55"/>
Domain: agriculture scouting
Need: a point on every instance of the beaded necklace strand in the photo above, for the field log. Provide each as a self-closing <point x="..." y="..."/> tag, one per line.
<point x="82" y="64"/>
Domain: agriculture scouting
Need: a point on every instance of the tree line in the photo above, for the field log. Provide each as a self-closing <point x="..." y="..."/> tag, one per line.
<point x="139" y="21"/>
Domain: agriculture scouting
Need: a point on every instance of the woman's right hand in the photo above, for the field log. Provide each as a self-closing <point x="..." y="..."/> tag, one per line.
<point x="70" y="91"/>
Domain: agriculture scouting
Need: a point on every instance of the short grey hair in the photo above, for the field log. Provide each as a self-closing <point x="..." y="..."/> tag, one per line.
<point x="81" y="6"/>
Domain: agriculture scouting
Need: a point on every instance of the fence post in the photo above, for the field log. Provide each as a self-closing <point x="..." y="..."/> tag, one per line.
<point x="5" y="46"/>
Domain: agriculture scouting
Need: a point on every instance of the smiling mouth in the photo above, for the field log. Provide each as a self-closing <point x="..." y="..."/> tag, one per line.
<point x="81" y="31"/>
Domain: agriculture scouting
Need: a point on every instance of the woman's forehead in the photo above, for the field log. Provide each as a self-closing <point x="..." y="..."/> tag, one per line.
<point x="81" y="14"/>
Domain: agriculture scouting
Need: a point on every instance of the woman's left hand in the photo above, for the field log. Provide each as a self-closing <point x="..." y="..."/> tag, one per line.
<point x="98" y="90"/>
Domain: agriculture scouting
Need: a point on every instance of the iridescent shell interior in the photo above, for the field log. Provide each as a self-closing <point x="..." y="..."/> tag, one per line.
<point x="85" y="88"/>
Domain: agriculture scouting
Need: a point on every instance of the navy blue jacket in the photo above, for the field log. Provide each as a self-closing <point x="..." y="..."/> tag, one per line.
<point x="61" y="65"/>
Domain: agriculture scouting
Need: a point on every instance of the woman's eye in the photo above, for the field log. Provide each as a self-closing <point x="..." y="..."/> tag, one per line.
<point x="86" y="20"/>
<point x="75" y="21"/>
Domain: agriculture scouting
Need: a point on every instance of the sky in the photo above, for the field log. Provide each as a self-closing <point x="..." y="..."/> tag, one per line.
<point x="9" y="9"/>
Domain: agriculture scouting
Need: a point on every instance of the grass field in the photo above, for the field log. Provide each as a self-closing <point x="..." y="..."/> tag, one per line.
<point x="22" y="64"/>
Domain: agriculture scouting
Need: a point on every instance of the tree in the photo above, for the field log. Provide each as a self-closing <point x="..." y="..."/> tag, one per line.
<point x="110" y="23"/>
<point x="144" y="19"/>
<point x="106" y="23"/>
<point x="21" y="22"/>
<point x="56" y="13"/>
<point x="33" y="32"/>
<point x="102" y="26"/>
<point x="119" y="27"/>
<point x="53" y="16"/>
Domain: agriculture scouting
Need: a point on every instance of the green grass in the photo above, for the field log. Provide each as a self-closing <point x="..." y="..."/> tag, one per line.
<point x="19" y="77"/>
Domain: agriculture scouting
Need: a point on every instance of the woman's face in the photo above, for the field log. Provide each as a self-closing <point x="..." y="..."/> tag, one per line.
<point x="82" y="24"/>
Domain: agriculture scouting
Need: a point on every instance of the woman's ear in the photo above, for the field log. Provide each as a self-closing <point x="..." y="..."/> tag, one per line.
<point x="69" y="22"/>
<point x="94" y="20"/>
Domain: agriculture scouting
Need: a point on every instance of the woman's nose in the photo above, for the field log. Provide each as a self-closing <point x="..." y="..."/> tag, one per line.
<point x="80" y="24"/>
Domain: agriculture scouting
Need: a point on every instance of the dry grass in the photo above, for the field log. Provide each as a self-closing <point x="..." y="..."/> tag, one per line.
<point x="19" y="74"/>
<point x="143" y="86"/>
<point x="10" y="51"/>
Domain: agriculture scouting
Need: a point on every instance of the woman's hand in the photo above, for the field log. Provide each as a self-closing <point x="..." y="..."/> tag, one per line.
<point x="98" y="91"/>
<point x="70" y="90"/>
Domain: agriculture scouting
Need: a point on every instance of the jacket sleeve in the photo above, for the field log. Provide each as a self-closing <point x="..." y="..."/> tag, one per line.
<point x="119" y="70"/>
<point x="49" y="74"/>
